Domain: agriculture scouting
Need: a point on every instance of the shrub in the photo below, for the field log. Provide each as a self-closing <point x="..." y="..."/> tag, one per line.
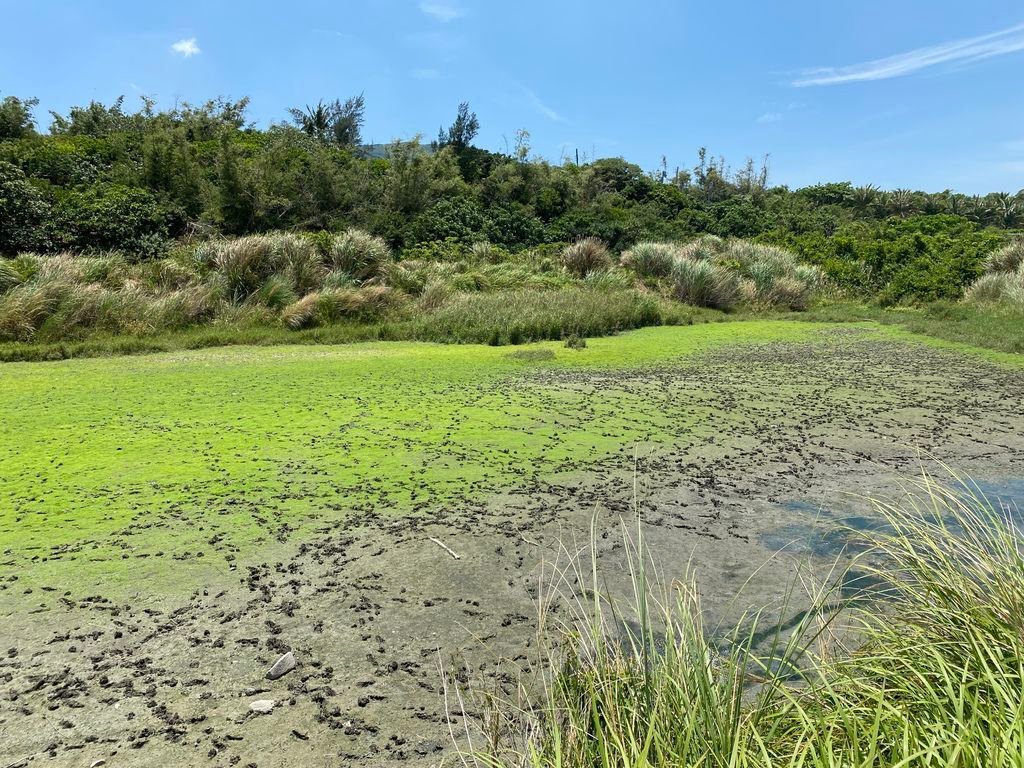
<point x="366" y="303"/>
<point x="434" y="295"/>
<point x="23" y="212"/>
<point x="789" y="293"/>
<point x="704" y="284"/>
<point x="572" y="341"/>
<point x="332" y="305"/>
<point x="113" y="216"/>
<point x="244" y="264"/>
<point x="586" y="256"/>
<point x="485" y="251"/>
<point x="650" y="259"/>
<point x="704" y="248"/>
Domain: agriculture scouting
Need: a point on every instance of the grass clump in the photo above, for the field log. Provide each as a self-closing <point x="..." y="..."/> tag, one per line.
<point x="1003" y="281"/>
<point x="704" y="284"/>
<point x="934" y="675"/>
<point x="586" y="256"/>
<point x="649" y="259"/>
<point x="518" y="317"/>
<point x="359" y="254"/>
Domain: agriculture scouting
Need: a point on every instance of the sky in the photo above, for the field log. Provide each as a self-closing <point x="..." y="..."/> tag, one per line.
<point x="901" y="93"/>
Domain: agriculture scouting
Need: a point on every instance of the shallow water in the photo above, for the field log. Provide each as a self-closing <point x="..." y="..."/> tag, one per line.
<point x="825" y="533"/>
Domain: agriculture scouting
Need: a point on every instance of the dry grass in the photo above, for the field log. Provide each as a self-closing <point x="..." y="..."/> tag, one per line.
<point x="586" y="256"/>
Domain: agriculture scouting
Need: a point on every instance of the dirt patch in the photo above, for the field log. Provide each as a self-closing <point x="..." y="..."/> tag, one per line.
<point x="372" y="605"/>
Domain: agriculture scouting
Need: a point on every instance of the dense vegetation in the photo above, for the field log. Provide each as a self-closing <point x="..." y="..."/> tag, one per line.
<point x="934" y="678"/>
<point x="106" y="178"/>
<point x="479" y="293"/>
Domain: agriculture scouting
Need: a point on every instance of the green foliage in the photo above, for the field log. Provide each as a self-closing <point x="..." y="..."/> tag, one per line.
<point x="113" y="216"/>
<point x="202" y="169"/>
<point x="649" y="259"/>
<point x="16" y="121"/>
<point x="23" y="212"/>
<point x="337" y="122"/>
<point x="359" y="254"/>
<point x="518" y="317"/>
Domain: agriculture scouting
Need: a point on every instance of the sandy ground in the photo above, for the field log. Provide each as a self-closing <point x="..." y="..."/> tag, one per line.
<point x="373" y="608"/>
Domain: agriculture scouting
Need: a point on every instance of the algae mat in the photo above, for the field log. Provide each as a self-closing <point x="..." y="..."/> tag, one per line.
<point x="170" y="524"/>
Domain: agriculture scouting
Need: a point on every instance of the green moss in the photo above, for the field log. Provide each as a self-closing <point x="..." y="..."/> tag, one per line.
<point x="123" y="469"/>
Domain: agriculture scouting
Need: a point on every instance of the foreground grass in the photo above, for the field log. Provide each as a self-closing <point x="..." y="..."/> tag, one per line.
<point x="936" y="677"/>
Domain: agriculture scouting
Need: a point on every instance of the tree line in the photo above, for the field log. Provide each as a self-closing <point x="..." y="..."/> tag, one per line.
<point x="106" y="177"/>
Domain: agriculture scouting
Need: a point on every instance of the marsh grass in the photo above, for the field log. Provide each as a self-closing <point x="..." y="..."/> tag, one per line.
<point x="926" y="671"/>
<point x="518" y="317"/>
<point x="1003" y="281"/>
<point x="585" y="256"/>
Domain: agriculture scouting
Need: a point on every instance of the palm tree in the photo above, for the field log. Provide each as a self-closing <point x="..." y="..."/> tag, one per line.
<point x="976" y="209"/>
<point x="901" y="203"/>
<point x="932" y="204"/>
<point x="1005" y="209"/>
<point x="956" y="203"/>
<point x="863" y="199"/>
<point x="315" y="121"/>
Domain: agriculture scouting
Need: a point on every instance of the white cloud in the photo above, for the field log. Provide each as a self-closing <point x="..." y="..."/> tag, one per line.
<point x="186" y="48"/>
<point x="966" y="50"/>
<point x="442" y="10"/>
<point x="769" y="117"/>
<point x="426" y="74"/>
<point x="540" y="106"/>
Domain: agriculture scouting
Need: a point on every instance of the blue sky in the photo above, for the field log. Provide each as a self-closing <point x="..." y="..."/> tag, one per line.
<point x="910" y="93"/>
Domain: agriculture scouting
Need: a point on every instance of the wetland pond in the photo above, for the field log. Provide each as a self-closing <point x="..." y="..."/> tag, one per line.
<point x="171" y="525"/>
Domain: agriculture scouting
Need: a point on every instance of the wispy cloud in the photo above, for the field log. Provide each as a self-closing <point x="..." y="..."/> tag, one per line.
<point x="769" y="117"/>
<point x="966" y="50"/>
<point x="536" y="102"/>
<point x="426" y="74"/>
<point x="186" y="48"/>
<point x="442" y="10"/>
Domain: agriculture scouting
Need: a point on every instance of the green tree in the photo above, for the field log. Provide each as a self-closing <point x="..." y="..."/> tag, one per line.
<point x="336" y="121"/>
<point x="462" y="131"/>
<point x="16" y="121"/>
<point x="23" y="211"/>
<point x="236" y="202"/>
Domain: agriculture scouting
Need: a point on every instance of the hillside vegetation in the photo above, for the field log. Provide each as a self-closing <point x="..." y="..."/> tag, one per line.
<point x="119" y="227"/>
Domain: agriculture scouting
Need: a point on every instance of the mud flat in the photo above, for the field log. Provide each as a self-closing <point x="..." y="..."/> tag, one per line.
<point x="269" y="502"/>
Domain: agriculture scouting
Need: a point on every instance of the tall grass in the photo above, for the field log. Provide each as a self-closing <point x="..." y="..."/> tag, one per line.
<point x="704" y="284"/>
<point x="934" y="675"/>
<point x="711" y="272"/>
<point x="301" y="282"/>
<point x="650" y="259"/>
<point x="586" y="256"/>
<point x="517" y="317"/>
<point x="1003" y="281"/>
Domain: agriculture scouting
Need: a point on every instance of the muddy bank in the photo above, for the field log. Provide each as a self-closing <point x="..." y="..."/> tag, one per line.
<point x="372" y="607"/>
